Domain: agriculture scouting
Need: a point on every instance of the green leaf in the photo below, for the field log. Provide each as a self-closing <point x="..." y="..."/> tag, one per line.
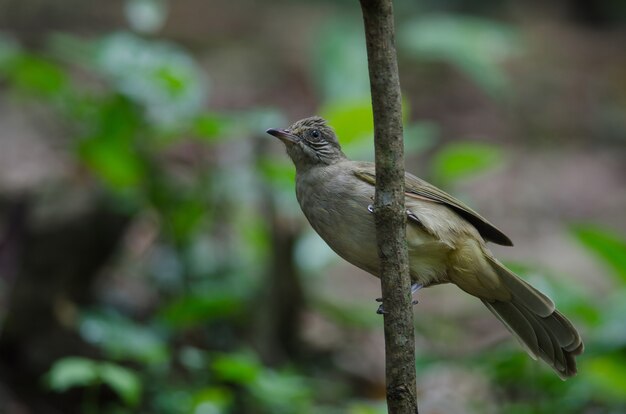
<point x="123" y="381"/>
<point x="478" y="47"/>
<point x="280" y="173"/>
<point x="185" y="217"/>
<point x="72" y="372"/>
<point x="215" y="400"/>
<point x="240" y="368"/>
<point x="38" y="76"/>
<point x="368" y="408"/>
<point x="82" y="372"/>
<point x="604" y="244"/>
<point x="160" y="76"/>
<point x="173" y="399"/>
<point x="121" y="338"/>
<point x="340" y="61"/>
<point x="606" y="376"/>
<point x="209" y="126"/>
<point x="281" y="392"/>
<point x="463" y="159"/>
<point x="110" y="148"/>
<point x="353" y="120"/>
<point x="344" y="314"/>
<point x="115" y="162"/>
<point x="200" y="308"/>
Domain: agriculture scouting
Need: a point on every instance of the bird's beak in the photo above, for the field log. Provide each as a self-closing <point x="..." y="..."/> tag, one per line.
<point x="284" y="135"/>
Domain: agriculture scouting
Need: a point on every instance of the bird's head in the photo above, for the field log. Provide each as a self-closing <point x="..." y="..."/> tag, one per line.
<point x="310" y="142"/>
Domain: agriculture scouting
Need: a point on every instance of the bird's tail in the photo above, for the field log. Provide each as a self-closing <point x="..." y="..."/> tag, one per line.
<point x="532" y="318"/>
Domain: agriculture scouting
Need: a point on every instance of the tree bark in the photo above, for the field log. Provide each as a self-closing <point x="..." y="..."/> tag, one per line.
<point x="389" y="210"/>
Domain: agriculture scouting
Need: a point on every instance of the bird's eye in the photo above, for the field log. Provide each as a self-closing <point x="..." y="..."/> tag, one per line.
<point x="315" y="133"/>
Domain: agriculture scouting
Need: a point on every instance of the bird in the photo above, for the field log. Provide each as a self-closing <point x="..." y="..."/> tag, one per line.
<point x="446" y="240"/>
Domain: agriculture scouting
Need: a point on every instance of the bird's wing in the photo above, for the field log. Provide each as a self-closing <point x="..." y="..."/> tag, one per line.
<point x="417" y="188"/>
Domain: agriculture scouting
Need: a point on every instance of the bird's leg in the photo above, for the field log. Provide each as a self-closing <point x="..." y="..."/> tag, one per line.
<point x="414" y="288"/>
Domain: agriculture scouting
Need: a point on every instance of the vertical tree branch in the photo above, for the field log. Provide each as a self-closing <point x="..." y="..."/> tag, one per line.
<point x="389" y="210"/>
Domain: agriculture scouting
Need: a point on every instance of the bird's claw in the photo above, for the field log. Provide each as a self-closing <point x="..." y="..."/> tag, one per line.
<point x="380" y="310"/>
<point x="414" y="288"/>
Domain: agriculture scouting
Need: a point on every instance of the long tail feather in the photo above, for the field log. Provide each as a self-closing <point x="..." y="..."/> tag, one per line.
<point x="533" y="320"/>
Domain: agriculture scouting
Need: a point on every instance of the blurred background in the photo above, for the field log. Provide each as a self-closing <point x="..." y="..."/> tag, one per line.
<point x="153" y="258"/>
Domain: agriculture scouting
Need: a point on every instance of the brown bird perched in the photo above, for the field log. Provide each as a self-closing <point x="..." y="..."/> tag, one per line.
<point x="446" y="240"/>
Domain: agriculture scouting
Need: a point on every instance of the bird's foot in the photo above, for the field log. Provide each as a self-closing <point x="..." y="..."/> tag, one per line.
<point x="414" y="288"/>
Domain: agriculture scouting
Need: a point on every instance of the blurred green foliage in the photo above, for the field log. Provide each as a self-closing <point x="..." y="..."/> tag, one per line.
<point x="149" y="96"/>
<point x="609" y="247"/>
<point x="188" y="355"/>
<point x="82" y="372"/>
<point x="459" y="160"/>
<point x="601" y="381"/>
<point x="475" y="46"/>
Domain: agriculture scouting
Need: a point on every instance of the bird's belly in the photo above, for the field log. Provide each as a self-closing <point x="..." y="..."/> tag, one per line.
<point x="348" y="228"/>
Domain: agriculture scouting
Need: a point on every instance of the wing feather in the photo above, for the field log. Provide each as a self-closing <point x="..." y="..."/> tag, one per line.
<point x="417" y="188"/>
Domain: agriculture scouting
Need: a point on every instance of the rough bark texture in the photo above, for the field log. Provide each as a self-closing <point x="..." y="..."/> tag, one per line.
<point x="389" y="208"/>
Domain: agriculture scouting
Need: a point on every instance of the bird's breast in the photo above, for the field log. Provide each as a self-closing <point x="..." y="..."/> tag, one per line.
<point x="336" y="203"/>
<point x="336" y="206"/>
